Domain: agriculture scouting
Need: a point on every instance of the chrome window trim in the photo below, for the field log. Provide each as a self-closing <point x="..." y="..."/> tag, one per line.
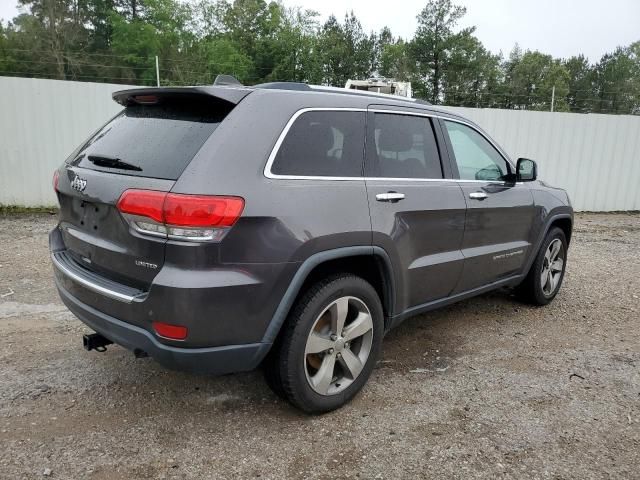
<point x="283" y="134"/>
<point x="470" y="125"/>
<point x="404" y="179"/>
<point x="274" y="151"/>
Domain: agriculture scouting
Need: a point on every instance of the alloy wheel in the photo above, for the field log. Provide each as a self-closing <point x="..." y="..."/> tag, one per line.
<point x="552" y="267"/>
<point x="338" y="345"/>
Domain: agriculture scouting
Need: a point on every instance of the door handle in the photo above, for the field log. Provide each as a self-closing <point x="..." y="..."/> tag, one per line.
<point x="389" y="197"/>
<point x="478" y="195"/>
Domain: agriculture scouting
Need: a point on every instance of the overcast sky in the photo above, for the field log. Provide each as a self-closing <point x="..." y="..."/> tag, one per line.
<point x="559" y="27"/>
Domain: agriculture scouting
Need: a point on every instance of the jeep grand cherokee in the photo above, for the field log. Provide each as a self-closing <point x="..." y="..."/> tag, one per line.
<point x="221" y="228"/>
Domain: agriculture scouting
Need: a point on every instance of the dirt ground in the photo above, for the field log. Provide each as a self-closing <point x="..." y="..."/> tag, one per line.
<point x="485" y="388"/>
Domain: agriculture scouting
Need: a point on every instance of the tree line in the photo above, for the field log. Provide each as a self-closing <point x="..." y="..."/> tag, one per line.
<point x="116" y="41"/>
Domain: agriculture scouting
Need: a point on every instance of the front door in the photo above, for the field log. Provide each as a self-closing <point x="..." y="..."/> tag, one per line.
<point x="499" y="219"/>
<point x="417" y="213"/>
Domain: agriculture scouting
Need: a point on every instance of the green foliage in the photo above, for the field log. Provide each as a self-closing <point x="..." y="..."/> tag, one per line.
<point x="581" y="83"/>
<point x="345" y="51"/>
<point x="396" y="61"/>
<point x="294" y="48"/>
<point x="432" y="46"/>
<point x="473" y="75"/>
<point x="259" y="41"/>
<point x="531" y="78"/>
<point x="617" y="81"/>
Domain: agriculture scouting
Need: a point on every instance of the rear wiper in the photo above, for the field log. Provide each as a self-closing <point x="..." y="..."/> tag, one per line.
<point x="104" y="161"/>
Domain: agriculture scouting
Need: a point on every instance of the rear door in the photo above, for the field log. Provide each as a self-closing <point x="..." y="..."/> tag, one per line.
<point x="417" y="209"/>
<point x="499" y="218"/>
<point x="146" y="146"/>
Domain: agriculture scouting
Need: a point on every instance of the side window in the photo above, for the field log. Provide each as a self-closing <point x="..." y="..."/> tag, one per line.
<point x="476" y="158"/>
<point x="323" y="144"/>
<point x="405" y="147"/>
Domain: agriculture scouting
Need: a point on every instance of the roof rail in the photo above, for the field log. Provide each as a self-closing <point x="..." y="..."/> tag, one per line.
<point x="303" y="87"/>
<point x="364" y="93"/>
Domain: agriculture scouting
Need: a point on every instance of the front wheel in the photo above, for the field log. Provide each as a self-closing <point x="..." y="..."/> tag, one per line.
<point x="547" y="272"/>
<point x="329" y="344"/>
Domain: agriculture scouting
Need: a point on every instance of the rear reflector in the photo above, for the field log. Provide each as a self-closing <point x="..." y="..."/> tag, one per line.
<point x="56" y="178"/>
<point x="180" y="217"/>
<point x="172" y="332"/>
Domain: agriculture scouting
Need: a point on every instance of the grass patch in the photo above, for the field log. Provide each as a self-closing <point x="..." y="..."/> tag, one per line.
<point x="18" y="210"/>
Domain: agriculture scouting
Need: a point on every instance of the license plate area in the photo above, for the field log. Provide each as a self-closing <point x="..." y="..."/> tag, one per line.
<point x="90" y="215"/>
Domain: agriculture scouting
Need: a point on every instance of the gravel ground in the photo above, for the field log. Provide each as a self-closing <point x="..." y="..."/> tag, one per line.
<point x="485" y="388"/>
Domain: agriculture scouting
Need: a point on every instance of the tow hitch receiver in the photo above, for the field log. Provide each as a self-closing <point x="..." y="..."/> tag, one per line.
<point x="96" y="342"/>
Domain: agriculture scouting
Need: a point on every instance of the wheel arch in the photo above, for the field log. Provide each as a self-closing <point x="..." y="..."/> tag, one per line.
<point x="561" y="220"/>
<point x="565" y="223"/>
<point x="369" y="262"/>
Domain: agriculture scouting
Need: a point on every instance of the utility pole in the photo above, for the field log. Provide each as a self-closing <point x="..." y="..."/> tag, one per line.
<point x="553" y="96"/>
<point x="158" y="75"/>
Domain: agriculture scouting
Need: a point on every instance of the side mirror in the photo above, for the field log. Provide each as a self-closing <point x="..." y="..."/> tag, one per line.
<point x="527" y="170"/>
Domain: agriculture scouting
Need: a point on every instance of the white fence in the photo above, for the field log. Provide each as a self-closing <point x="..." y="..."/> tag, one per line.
<point x="41" y="123"/>
<point x="595" y="157"/>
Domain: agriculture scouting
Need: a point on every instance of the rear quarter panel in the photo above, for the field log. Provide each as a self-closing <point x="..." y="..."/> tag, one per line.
<point x="284" y="221"/>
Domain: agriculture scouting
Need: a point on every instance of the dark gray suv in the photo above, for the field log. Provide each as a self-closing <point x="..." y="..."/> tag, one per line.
<point x="221" y="228"/>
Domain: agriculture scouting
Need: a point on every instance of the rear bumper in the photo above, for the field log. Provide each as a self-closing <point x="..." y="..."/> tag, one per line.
<point x="220" y="306"/>
<point x="211" y="360"/>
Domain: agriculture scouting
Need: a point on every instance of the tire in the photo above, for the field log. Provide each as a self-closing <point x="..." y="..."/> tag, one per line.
<point x="317" y="372"/>
<point x="534" y="289"/>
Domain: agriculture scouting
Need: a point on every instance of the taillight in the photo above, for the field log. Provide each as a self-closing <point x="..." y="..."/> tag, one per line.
<point x="180" y="217"/>
<point x="56" y="178"/>
<point x="200" y="211"/>
<point x="172" y="332"/>
<point x="145" y="203"/>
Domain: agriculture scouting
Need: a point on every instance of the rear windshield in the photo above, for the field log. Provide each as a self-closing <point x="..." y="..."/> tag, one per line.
<point x="155" y="141"/>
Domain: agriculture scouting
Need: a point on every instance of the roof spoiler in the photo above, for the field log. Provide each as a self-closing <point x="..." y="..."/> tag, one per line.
<point x="138" y="96"/>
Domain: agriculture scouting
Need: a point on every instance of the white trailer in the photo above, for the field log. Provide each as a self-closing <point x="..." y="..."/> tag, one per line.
<point x="381" y="85"/>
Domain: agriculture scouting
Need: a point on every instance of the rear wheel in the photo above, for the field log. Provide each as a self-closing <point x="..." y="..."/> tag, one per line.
<point x="547" y="272"/>
<point x="328" y="346"/>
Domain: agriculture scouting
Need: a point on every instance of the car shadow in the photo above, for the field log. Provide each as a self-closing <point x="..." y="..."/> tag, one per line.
<point x="428" y="342"/>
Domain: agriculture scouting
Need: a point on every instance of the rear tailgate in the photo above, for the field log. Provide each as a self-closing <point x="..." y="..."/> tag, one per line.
<point x="94" y="232"/>
<point x="147" y="146"/>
